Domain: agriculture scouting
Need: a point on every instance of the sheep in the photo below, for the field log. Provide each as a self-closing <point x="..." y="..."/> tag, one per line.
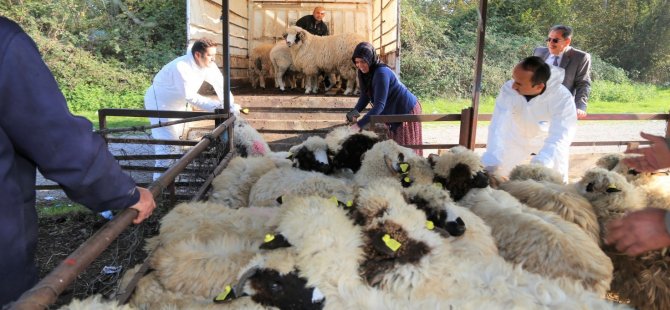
<point x="291" y="181"/>
<point x="232" y="186"/>
<point x="388" y="159"/>
<point x="311" y="54"/>
<point x="349" y="150"/>
<point x="260" y="65"/>
<point x="272" y="279"/>
<point x="654" y="185"/>
<point x="535" y="172"/>
<point x="282" y="65"/>
<point x="643" y="280"/>
<point x="540" y="192"/>
<point x="312" y="155"/>
<point x="94" y="302"/>
<point x="247" y="141"/>
<point x="541" y="241"/>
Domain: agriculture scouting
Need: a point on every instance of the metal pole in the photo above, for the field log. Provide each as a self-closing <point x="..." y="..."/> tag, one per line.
<point x="226" y="56"/>
<point x="477" y="85"/>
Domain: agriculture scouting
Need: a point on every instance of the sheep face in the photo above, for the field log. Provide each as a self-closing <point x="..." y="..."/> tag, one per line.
<point x="294" y="36"/>
<point x="312" y="155"/>
<point x="288" y="291"/>
<point x="389" y="245"/>
<point x="608" y="191"/>
<point x="433" y="202"/>
<point x="459" y="170"/>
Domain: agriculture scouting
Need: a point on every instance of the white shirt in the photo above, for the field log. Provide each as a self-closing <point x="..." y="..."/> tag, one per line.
<point x="550" y="58"/>
<point x="545" y="125"/>
<point x="176" y="86"/>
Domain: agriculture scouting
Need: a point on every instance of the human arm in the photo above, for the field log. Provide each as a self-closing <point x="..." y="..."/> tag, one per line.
<point x="654" y="157"/>
<point x="380" y="90"/>
<point x="189" y="80"/>
<point x="583" y="85"/>
<point x="35" y="118"/>
<point x="639" y="231"/>
<point x="492" y="158"/>
<point x="562" y="126"/>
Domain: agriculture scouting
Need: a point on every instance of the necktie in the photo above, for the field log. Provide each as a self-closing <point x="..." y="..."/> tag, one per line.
<point x="555" y="60"/>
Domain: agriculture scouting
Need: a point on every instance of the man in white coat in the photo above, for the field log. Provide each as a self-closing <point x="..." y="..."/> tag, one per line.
<point x="534" y="114"/>
<point x="175" y="88"/>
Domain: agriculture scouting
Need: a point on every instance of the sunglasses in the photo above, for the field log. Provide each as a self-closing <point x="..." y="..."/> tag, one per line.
<point x="554" y="40"/>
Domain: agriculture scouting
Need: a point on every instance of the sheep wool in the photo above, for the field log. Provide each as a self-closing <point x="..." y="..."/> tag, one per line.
<point x="232" y="186"/>
<point x="535" y="172"/>
<point x="260" y="65"/>
<point x="282" y="66"/>
<point x="311" y="54"/>
<point x="388" y="159"/>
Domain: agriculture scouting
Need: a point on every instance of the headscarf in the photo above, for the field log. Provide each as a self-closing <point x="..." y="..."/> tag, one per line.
<point x="366" y="51"/>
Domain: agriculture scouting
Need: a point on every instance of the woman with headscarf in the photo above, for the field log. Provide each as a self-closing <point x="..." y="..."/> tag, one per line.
<point x="380" y="86"/>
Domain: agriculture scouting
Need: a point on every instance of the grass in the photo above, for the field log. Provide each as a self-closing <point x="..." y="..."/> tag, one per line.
<point x="658" y="102"/>
<point x="115" y="121"/>
<point x="59" y="207"/>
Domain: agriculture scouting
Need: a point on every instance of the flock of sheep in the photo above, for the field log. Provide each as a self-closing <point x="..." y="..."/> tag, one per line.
<point x="304" y="54"/>
<point x="351" y="221"/>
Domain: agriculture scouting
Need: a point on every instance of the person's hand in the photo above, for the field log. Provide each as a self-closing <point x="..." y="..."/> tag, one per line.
<point x="639" y="232"/>
<point x="145" y="206"/>
<point x="581" y="114"/>
<point x="352" y="115"/>
<point x="654" y="157"/>
<point x="355" y="128"/>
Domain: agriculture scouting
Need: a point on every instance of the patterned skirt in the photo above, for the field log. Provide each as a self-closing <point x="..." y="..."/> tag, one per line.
<point x="409" y="132"/>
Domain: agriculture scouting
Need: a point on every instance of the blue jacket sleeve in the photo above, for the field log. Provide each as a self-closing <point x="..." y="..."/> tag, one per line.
<point x="35" y="117"/>
<point x="380" y="92"/>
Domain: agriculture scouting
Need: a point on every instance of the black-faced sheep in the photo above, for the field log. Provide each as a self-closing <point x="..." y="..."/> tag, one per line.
<point x="312" y="54"/>
<point x="541" y="241"/>
<point x="312" y="154"/>
<point x="260" y="65"/>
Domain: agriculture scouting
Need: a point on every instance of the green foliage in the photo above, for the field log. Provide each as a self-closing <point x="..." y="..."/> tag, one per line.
<point x="621" y="92"/>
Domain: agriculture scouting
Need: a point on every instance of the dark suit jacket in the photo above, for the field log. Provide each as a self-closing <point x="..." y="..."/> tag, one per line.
<point x="577" y="65"/>
<point x="309" y="23"/>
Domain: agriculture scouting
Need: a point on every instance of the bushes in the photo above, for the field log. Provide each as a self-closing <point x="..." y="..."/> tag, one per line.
<point x="621" y="92"/>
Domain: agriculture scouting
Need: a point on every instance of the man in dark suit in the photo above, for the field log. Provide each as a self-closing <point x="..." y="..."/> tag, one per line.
<point x="577" y="64"/>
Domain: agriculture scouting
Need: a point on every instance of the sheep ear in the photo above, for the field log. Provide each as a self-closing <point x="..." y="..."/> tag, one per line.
<point x="273" y="242"/>
<point x="300" y="36"/>
<point x="612" y="189"/>
<point x="285" y="35"/>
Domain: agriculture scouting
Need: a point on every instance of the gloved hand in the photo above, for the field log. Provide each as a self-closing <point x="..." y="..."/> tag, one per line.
<point x="352" y="116"/>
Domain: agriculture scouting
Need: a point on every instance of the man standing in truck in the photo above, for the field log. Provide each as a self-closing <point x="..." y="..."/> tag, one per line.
<point x="315" y="25"/>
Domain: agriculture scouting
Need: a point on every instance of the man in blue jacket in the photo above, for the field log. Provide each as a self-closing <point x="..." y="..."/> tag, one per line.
<point x="37" y="131"/>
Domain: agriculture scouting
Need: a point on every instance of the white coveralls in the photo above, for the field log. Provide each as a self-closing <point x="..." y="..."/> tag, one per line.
<point x="545" y="125"/>
<point x="175" y="88"/>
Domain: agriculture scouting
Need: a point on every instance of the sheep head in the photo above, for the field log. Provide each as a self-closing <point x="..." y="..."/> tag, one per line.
<point x="459" y="171"/>
<point x="609" y="192"/>
<point x="350" y="154"/>
<point x="312" y="155"/>
<point x="294" y="35"/>
<point x="434" y="202"/>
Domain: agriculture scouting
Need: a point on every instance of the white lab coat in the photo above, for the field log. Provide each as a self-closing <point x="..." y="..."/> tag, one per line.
<point x="175" y="88"/>
<point x="545" y="125"/>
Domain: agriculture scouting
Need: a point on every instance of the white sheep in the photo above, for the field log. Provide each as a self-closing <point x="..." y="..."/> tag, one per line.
<point x="313" y="54"/>
<point x="282" y="65"/>
<point x="260" y="65"/>
<point x="291" y="181"/>
<point x="94" y="302"/>
<point x="247" y="140"/>
<point x="563" y="200"/>
<point x="535" y="172"/>
<point x="232" y="186"/>
<point x="643" y="280"/>
<point x="388" y="159"/>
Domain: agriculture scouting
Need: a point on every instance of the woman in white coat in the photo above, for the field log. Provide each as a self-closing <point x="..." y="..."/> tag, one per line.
<point x="534" y="114"/>
<point x="175" y="88"/>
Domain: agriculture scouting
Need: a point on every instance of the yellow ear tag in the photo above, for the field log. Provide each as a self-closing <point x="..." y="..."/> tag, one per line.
<point x="612" y="186"/>
<point x="404" y="167"/>
<point x="391" y="243"/>
<point x="245" y="111"/>
<point x="430" y="225"/>
<point x="268" y="238"/>
<point x="349" y="203"/>
<point x="334" y="200"/>
<point x="223" y="294"/>
<point x="407" y="179"/>
<point x="438" y="185"/>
